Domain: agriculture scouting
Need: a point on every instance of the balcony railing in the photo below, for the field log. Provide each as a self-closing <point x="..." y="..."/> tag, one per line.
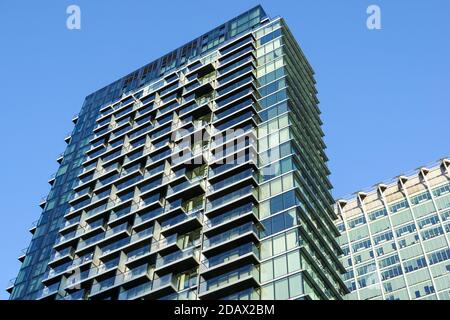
<point x="186" y="185"/>
<point x="235" y="65"/>
<point x="185" y="295"/>
<point x="164" y="242"/>
<point x="133" y="293"/>
<point x="119" y="213"/>
<point x="232" y="180"/>
<point x="240" y="43"/>
<point x="115" y="245"/>
<point x="229" y="278"/>
<point x="147" y="216"/>
<point x="150" y="249"/>
<point x="230" y="256"/>
<point x="226" y="165"/>
<point x="230" y="197"/>
<point x="68" y="266"/>
<point x="239" y="53"/>
<point x="61" y="253"/>
<point x="47" y="291"/>
<point x="102" y="208"/>
<point x="230" y="215"/>
<point x="227" y="111"/>
<point x="106" y="284"/>
<point x="79" y="194"/>
<point x="78" y="295"/>
<point x="138" y="253"/>
<point x="198" y="214"/>
<point x="72" y="221"/>
<point x="230" y="234"/>
<point x="119" y="279"/>
<point x="135" y="273"/>
<point x="177" y="255"/>
<point x="69" y="236"/>
<point x="145" y="203"/>
<point x="104" y="235"/>
<point x="163" y="281"/>
<point x="141" y="234"/>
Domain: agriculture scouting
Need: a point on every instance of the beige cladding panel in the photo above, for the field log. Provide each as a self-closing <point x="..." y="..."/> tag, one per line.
<point x="437" y="172"/>
<point x="352" y="211"/>
<point x="393" y="194"/>
<point x="415" y="186"/>
<point x="438" y="180"/>
<point x="373" y="202"/>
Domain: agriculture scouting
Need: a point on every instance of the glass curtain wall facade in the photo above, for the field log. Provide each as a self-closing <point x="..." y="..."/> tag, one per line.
<point x="199" y="176"/>
<point x="396" y="238"/>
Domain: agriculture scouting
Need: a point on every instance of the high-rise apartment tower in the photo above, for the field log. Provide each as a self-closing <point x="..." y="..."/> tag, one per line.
<point x="202" y="175"/>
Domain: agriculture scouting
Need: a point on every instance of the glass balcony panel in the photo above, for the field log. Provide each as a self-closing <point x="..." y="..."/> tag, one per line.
<point x="57" y="270"/>
<point x="154" y="171"/>
<point x="71" y="235"/>
<point x="132" y="293"/>
<point x="227" y="111"/>
<point x="162" y="281"/>
<point x="141" y="234"/>
<point x="135" y="273"/>
<point x="236" y="74"/>
<point x="245" y="116"/>
<point x="140" y="131"/>
<point x="145" y="202"/>
<point x="237" y="84"/>
<point x="229" y="278"/>
<point x="177" y="255"/>
<point x="180" y="218"/>
<point x="185" y="185"/>
<point x="148" y="216"/>
<point x="116" y="230"/>
<point x="164" y="242"/>
<point x="78" y="295"/>
<point x="139" y="252"/>
<point x="160" y="155"/>
<point x="112" y="155"/>
<point x="81" y="260"/>
<point x="230" y="234"/>
<point x="115" y="245"/>
<point x="236" y="54"/>
<point x="58" y="254"/>
<point x="237" y="212"/>
<point x="211" y="204"/>
<point x="189" y="107"/>
<point x="230" y="255"/>
<point x="103" y="285"/>
<point x="236" y="45"/>
<point x="46" y="291"/>
<point x="227" y="166"/>
<point x="235" y="65"/>
<point x="84" y="243"/>
<point x="150" y="185"/>
<point x="118" y="213"/>
<point x="233" y="179"/>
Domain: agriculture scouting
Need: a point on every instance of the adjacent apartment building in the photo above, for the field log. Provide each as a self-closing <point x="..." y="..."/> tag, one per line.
<point x="396" y="237"/>
<point x="201" y="175"/>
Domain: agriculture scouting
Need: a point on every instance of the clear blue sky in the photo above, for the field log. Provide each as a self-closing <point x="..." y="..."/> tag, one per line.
<point x="384" y="94"/>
